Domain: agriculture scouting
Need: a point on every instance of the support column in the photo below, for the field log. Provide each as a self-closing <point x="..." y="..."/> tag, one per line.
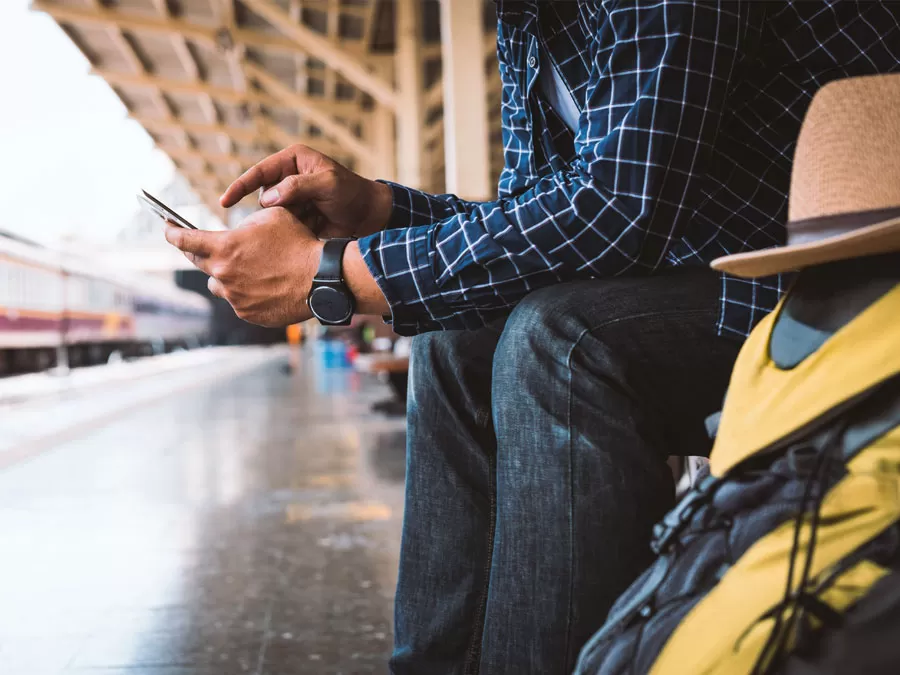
<point x="383" y="143"/>
<point x="410" y="94"/>
<point x="466" y="136"/>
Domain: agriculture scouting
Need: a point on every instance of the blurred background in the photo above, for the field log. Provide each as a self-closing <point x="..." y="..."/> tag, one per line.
<point x="181" y="492"/>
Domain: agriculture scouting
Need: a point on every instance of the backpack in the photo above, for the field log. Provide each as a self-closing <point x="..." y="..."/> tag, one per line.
<point x="786" y="556"/>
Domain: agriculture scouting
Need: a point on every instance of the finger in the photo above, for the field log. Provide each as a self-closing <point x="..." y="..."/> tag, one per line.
<point x="215" y="287"/>
<point x="192" y="241"/>
<point x="272" y="169"/>
<point x="201" y="263"/>
<point x="295" y="189"/>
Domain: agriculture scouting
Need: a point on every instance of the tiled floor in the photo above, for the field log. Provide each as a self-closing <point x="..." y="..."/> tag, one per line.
<point x="245" y="526"/>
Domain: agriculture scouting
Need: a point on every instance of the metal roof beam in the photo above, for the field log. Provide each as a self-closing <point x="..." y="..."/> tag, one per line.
<point x="325" y="50"/>
<point x="339" y="132"/>
<point x="137" y="66"/>
<point x="301" y="63"/>
<point x="324" y="145"/>
<point x="205" y="34"/>
<point x="192" y="68"/>
<point x="106" y="17"/>
<point x="203" y="180"/>
<point x="243" y="134"/>
<point x="225" y="94"/>
<point x="237" y="161"/>
<point x="159" y="125"/>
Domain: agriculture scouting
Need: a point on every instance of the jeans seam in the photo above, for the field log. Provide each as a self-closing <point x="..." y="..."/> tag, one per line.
<point x="473" y="654"/>
<point x="630" y="317"/>
<point x="569" y="368"/>
<point x="569" y="603"/>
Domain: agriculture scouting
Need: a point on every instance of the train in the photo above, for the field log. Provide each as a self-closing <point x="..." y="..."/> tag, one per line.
<point x="56" y="307"/>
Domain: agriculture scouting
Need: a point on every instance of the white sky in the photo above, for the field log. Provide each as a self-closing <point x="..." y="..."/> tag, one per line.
<point x="70" y="159"/>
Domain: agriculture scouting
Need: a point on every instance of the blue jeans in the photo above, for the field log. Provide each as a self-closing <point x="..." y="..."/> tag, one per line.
<point x="536" y="467"/>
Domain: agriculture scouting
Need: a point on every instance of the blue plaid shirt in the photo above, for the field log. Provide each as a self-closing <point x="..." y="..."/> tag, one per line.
<point x="689" y="115"/>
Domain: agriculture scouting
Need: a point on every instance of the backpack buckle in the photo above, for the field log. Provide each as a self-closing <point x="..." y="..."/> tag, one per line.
<point x="674" y="522"/>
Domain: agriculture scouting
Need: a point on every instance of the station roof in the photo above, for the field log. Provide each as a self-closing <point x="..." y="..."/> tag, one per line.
<point x="219" y="84"/>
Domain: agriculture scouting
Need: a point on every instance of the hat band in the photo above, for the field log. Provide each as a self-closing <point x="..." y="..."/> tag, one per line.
<point x="815" y="229"/>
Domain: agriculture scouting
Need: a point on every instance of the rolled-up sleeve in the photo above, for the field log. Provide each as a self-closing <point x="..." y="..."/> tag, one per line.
<point x="651" y="113"/>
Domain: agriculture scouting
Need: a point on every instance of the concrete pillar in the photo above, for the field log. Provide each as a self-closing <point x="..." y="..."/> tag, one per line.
<point x="466" y="136"/>
<point x="410" y="94"/>
<point x="381" y="126"/>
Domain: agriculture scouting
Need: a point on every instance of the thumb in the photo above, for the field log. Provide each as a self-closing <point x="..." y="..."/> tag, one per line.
<point x="298" y="189"/>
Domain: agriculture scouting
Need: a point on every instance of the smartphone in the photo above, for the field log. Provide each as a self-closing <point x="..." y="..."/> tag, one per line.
<point x="155" y="206"/>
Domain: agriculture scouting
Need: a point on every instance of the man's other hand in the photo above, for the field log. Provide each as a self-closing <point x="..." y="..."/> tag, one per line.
<point x="335" y="201"/>
<point x="264" y="269"/>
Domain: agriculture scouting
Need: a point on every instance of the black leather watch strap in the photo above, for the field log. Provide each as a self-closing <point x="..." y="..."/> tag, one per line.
<point x="332" y="259"/>
<point x="329" y="298"/>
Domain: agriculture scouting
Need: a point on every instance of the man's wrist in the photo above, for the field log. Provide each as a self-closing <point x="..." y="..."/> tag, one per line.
<point x="382" y="205"/>
<point x="313" y="260"/>
<point x="368" y="296"/>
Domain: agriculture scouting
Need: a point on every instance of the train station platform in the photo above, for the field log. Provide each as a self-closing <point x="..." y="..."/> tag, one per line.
<point x="221" y="517"/>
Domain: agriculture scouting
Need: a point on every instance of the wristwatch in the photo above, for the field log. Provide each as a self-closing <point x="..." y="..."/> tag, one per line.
<point x="330" y="301"/>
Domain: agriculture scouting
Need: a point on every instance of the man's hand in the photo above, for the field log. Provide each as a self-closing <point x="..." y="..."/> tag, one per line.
<point x="335" y="201"/>
<point x="264" y="269"/>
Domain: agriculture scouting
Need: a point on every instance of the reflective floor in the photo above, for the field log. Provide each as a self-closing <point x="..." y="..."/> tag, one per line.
<point x="249" y="524"/>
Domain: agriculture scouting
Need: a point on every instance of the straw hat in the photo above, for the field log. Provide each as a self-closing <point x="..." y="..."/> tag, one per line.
<point x="845" y="184"/>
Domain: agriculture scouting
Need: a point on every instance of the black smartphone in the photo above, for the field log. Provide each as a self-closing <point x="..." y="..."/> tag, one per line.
<point x="155" y="206"/>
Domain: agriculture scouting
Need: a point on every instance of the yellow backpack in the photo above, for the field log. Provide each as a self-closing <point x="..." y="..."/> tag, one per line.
<point x="786" y="557"/>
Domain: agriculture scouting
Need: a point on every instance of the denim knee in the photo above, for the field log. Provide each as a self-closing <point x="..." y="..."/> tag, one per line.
<point x="531" y="362"/>
<point x="538" y="335"/>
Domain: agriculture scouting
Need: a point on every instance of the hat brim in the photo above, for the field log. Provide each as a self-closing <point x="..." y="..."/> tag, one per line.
<point x="883" y="237"/>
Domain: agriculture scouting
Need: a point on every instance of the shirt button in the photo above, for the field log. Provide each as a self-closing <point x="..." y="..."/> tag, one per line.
<point x="532" y="62"/>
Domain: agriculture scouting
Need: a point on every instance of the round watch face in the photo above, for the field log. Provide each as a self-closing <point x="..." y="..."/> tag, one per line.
<point x="330" y="305"/>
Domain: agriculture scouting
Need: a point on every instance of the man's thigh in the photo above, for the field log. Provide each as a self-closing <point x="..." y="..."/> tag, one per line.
<point x="652" y="339"/>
